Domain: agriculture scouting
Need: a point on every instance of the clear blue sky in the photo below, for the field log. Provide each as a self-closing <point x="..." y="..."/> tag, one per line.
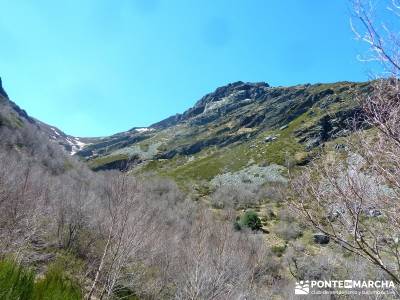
<point x="97" y="67"/>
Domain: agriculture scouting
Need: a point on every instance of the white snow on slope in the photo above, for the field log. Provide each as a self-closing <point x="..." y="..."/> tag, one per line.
<point x="55" y="131"/>
<point x="76" y="145"/>
<point x="143" y="129"/>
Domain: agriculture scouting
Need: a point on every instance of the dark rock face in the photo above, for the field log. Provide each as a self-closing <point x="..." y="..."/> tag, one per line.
<point x="22" y="113"/>
<point x="117" y="141"/>
<point x="115" y="165"/>
<point x="329" y="127"/>
<point x="322" y="239"/>
<point x="196" y="147"/>
<point x="122" y="164"/>
<point x="251" y="121"/>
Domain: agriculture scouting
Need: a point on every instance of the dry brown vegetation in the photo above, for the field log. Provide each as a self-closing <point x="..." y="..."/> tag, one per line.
<point x="141" y="237"/>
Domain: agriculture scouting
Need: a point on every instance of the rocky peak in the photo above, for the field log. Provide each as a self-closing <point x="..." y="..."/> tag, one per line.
<point x="21" y="113"/>
<point x="2" y="91"/>
<point x="224" y="98"/>
<point x="231" y="93"/>
<point x="236" y="91"/>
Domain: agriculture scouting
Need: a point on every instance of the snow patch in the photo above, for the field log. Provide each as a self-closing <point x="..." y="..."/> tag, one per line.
<point x="145" y="129"/>
<point x="76" y="145"/>
<point x="55" y="131"/>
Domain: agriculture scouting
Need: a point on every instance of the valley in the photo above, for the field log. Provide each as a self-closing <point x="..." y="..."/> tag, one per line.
<point x="231" y="156"/>
<point x="200" y="150"/>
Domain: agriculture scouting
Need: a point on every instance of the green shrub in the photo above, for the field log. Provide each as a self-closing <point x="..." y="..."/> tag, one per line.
<point x="121" y="292"/>
<point x="16" y="282"/>
<point x="250" y="219"/>
<point x="278" y="250"/>
<point x="237" y="226"/>
<point x="56" y="285"/>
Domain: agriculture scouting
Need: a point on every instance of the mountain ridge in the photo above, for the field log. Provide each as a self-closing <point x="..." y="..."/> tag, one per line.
<point x="264" y="124"/>
<point x="236" y="114"/>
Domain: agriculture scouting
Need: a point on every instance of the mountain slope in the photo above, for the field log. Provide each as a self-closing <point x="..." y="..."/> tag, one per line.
<point x="237" y="125"/>
<point x="16" y="114"/>
<point x="70" y="143"/>
<point x="228" y="130"/>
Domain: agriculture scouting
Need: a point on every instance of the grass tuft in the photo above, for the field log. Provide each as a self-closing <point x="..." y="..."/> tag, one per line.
<point x="18" y="283"/>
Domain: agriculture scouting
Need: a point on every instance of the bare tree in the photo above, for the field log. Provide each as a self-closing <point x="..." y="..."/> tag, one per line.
<point x="130" y="225"/>
<point x="353" y="197"/>
<point x="216" y="262"/>
<point x="21" y="197"/>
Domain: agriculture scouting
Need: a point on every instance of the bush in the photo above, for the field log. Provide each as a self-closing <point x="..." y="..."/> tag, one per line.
<point x="288" y="231"/>
<point x="278" y="250"/>
<point x="121" y="292"/>
<point x="249" y="219"/>
<point x="217" y="204"/>
<point x="18" y="283"/>
<point x="237" y="196"/>
<point x="237" y="226"/>
<point x="56" y="285"/>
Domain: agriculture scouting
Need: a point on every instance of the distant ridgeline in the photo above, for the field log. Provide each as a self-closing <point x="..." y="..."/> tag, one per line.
<point x="237" y="125"/>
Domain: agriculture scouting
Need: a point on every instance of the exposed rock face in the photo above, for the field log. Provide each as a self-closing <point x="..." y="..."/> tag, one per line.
<point x="227" y="98"/>
<point x="230" y="95"/>
<point x="329" y="126"/>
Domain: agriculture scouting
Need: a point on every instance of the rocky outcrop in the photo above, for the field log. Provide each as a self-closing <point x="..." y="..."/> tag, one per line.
<point x="330" y="126"/>
<point x="321" y="238"/>
<point x="2" y="91"/>
<point x="222" y="100"/>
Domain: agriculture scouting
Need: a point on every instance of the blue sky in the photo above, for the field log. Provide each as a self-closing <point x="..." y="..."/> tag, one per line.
<point x="97" y="67"/>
